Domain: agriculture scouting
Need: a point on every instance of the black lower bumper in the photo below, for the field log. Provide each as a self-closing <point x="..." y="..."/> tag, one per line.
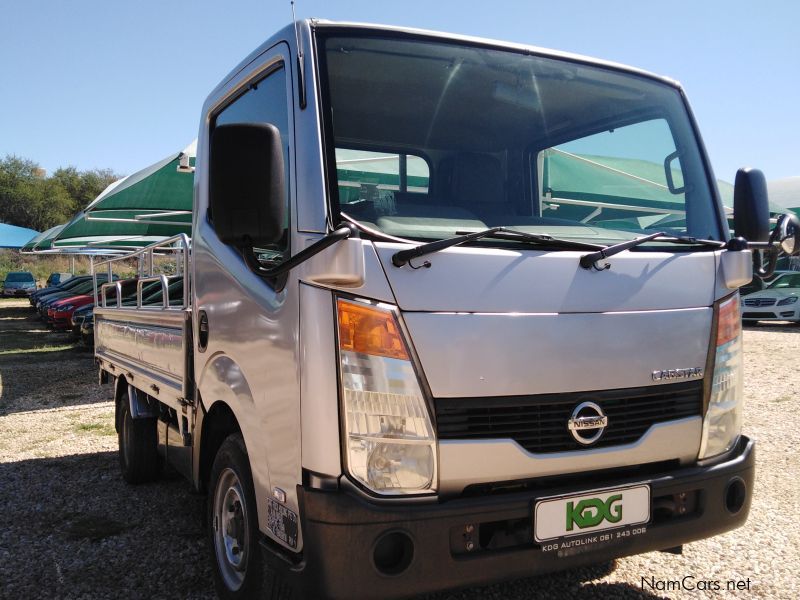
<point x="476" y="541"/>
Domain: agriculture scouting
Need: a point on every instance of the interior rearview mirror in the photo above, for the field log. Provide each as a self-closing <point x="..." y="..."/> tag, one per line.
<point x="674" y="175"/>
<point x="246" y="184"/>
<point x="751" y="206"/>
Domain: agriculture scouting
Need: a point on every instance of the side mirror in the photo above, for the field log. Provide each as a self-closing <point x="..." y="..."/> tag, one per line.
<point x="787" y="234"/>
<point x="751" y="206"/>
<point x="246" y="184"/>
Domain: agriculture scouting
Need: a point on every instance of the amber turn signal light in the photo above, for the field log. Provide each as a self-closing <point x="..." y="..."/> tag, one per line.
<point x="369" y="330"/>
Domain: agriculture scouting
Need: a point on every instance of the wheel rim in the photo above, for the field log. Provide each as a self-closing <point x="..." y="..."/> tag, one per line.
<point x="231" y="529"/>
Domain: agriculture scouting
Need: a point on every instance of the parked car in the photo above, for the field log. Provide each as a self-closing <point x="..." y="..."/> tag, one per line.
<point x="778" y="301"/>
<point x="59" y="315"/>
<point x="19" y="283"/>
<point x="78" y="318"/>
<point x="57" y="279"/>
<point x="62" y="287"/>
<point x="59" y="312"/>
<point x="44" y="301"/>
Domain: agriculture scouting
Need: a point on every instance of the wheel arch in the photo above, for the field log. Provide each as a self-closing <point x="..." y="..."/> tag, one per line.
<point x="218" y="423"/>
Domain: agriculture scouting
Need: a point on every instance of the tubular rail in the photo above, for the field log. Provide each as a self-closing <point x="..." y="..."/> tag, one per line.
<point x="178" y="245"/>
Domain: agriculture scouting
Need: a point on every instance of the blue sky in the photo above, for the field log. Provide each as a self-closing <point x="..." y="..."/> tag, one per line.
<point x="102" y="83"/>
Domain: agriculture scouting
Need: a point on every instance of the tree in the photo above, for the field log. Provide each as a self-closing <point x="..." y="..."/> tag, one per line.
<point x="28" y="200"/>
<point x="84" y="186"/>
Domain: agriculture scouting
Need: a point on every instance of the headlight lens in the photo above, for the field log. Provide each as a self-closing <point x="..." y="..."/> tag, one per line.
<point x="723" y="421"/>
<point x="390" y="444"/>
<point x="787" y="301"/>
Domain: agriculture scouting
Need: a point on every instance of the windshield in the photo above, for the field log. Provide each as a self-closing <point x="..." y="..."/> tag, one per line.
<point x="19" y="278"/>
<point x="785" y="281"/>
<point x="433" y="138"/>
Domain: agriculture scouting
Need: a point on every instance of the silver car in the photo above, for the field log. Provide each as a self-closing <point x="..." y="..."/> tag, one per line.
<point x="778" y="301"/>
<point x="19" y="283"/>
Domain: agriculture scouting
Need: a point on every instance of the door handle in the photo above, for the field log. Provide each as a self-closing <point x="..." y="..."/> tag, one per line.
<point x="202" y="338"/>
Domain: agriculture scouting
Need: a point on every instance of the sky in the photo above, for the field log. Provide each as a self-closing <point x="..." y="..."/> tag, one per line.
<point x="120" y="85"/>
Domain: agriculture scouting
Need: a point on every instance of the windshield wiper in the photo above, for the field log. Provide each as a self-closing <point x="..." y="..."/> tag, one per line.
<point x="502" y="233"/>
<point x="589" y="261"/>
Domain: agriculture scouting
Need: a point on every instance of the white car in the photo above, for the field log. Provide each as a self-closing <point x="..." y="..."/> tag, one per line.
<point x="776" y="302"/>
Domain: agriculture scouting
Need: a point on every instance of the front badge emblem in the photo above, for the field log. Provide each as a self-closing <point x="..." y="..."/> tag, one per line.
<point x="587" y="423"/>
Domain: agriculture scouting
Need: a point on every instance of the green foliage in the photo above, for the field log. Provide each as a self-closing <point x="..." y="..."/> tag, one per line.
<point x="29" y="200"/>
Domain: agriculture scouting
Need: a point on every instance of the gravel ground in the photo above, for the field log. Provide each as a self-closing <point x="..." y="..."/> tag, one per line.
<point x="70" y="527"/>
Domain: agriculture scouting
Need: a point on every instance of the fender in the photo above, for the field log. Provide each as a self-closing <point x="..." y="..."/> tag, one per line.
<point x="222" y="380"/>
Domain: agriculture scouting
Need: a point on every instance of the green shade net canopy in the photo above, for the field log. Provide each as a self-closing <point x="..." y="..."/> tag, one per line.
<point x="138" y="210"/>
<point x="42" y="241"/>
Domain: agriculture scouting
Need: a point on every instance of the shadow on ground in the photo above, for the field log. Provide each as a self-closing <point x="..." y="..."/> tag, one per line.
<point x="575" y="583"/>
<point x="782" y="327"/>
<point x="70" y="527"/>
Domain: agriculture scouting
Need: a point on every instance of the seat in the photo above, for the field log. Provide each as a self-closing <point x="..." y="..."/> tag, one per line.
<point x="476" y="183"/>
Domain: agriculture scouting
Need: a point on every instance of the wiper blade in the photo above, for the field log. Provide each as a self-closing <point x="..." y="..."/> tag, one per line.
<point x="589" y="260"/>
<point x="404" y="256"/>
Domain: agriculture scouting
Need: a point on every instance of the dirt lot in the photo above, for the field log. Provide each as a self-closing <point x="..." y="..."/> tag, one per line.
<point x="70" y="528"/>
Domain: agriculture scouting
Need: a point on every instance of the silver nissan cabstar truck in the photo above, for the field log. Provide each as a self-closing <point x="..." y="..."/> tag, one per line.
<point x="453" y="311"/>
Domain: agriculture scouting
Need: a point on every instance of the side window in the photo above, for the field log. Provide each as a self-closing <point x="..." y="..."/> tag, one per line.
<point x="265" y="102"/>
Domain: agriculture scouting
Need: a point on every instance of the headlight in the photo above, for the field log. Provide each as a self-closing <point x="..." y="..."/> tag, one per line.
<point x="390" y="445"/>
<point x="787" y="301"/>
<point x="723" y="421"/>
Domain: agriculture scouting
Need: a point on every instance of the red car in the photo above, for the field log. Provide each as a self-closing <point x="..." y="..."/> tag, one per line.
<point x="60" y="314"/>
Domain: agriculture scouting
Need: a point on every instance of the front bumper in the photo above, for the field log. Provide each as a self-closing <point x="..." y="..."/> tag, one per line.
<point x="342" y="531"/>
<point x="17" y="292"/>
<point x="789" y="312"/>
<point x="62" y="320"/>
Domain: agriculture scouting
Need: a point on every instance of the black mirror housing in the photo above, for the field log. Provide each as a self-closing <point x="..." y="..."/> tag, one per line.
<point x="246" y="184"/>
<point x="751" y="205"/>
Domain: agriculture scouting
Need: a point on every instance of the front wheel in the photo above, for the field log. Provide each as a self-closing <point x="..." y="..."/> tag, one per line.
<point x="239" y="571"/>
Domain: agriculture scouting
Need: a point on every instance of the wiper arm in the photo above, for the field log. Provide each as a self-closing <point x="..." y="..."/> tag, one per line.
<point x="404" y="256"/>
<point x="590" y="260"/>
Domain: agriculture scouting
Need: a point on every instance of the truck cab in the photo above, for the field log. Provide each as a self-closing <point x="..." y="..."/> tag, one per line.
<point x="456" y="311"/>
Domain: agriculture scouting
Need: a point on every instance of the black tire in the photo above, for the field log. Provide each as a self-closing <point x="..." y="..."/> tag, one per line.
<point x="230" y="491"/>
<point x="138" y="446"/>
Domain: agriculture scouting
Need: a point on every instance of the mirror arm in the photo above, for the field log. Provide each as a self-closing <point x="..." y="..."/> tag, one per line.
<point x="342" y="233"/>
<point x="772" y="262"/>
<point x="773" y="248"/>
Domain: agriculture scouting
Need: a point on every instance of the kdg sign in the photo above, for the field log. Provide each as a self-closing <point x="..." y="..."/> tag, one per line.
<point x="595" y="510"/>
<point x="592" y="512"/>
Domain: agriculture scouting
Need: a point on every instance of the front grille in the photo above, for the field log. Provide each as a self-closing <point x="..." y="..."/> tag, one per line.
<point x="539" y="423"/>
<point x="759" y="301"/>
